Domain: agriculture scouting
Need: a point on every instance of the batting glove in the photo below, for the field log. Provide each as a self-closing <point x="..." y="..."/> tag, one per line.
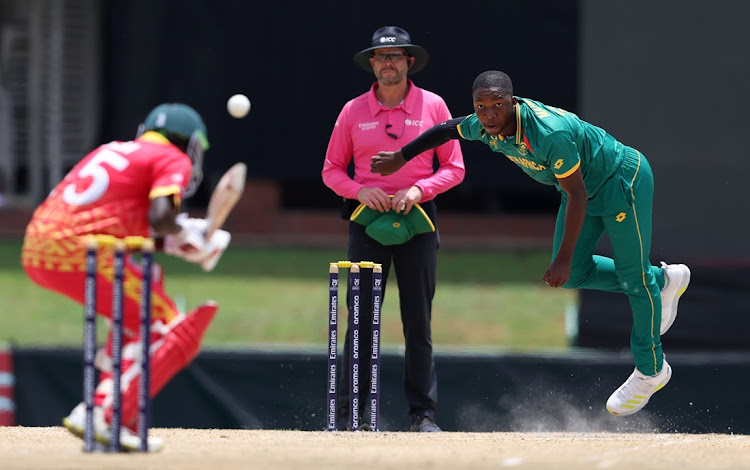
<point x="191" y="245"/>
<point x="190" y="242"/>
<point x="216" y="246"/>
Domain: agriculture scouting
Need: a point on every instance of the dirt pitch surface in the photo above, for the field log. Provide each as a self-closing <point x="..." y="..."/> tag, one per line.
<point x="54" y="448"/>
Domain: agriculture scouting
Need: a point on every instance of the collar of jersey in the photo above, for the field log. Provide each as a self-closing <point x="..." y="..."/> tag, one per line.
<point x="519" y="129"/>
<point x="154" y="137"/>
<point x="407" y="104"/>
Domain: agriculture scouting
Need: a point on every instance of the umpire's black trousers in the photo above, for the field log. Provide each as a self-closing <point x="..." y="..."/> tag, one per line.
<point x="415" y="264"/>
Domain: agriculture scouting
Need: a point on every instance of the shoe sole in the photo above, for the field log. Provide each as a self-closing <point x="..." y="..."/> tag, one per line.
<point x="673" y="317"/>
<point x="79" y="432"/>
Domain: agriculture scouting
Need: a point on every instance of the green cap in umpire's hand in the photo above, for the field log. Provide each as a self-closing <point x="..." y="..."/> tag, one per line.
<point x="393" y="228"/>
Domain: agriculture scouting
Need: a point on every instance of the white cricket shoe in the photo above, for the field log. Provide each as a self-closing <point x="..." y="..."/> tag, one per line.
<point x="636" y="391"/>
<point x="676" y="280"/>
<point x="129" y="441"/>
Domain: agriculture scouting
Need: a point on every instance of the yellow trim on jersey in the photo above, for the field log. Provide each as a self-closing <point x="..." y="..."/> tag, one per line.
<point x="154" y="137"/>
<point x="518" y="123"/>
<point x="164" y="191"/>
<point x="569" y="172"/>
<point x="173" y="190"/>
<point x="458" y="128"/>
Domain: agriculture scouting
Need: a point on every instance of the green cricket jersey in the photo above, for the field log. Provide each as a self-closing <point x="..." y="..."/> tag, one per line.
<point x="551" y="143"/>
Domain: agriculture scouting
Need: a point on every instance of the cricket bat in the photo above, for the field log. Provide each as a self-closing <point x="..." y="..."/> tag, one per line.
<point x="225" y="197"/>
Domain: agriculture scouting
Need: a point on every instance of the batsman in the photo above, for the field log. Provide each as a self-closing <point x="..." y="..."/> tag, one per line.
<point x="130" y="188"/>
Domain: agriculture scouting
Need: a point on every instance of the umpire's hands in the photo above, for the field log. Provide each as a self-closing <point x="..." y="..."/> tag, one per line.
<point x="374" y="198"/>
<point x="387" y="163"/>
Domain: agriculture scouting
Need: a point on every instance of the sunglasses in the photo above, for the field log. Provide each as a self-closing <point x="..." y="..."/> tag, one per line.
<point x="392" y="56"/>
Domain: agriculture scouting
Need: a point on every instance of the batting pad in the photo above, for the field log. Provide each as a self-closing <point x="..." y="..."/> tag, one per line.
<point x="179" y="348"/>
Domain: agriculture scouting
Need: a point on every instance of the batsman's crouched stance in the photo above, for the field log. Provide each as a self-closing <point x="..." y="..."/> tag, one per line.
<point x="125" y="189"/>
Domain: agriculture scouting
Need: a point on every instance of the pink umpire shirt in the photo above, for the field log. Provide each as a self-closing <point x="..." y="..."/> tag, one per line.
<point x="365" y="127"/>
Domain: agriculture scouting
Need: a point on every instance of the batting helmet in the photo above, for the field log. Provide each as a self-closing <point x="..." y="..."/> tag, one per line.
<point x="184" y="127"/>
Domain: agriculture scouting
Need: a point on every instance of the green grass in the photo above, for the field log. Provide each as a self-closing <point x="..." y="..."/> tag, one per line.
<point x="278" y="296"/>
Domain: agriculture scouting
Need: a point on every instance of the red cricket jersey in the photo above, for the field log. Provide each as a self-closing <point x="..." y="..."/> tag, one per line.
<point x="108" y="192"/>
